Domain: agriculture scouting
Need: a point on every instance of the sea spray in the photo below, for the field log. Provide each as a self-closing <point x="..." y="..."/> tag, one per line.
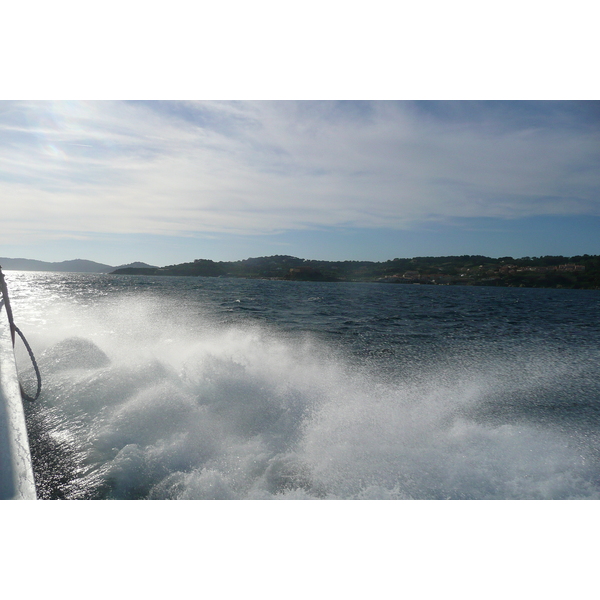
<point x="171" y="397"/>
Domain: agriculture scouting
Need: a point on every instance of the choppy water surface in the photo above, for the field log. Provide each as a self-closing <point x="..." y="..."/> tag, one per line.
<point x="199" y="388"/>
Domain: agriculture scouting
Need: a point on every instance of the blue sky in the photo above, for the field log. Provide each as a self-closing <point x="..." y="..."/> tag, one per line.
<point x="169" y="181"/>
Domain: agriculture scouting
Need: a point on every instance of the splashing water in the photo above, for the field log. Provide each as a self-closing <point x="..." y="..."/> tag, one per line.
<point x="156" y="396"/>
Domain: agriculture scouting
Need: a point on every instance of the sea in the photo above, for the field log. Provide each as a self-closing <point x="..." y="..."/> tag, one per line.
<point x="221" y="388"/>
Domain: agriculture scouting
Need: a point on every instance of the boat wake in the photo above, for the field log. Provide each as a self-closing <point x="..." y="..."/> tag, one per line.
<point x="174" y="408"/>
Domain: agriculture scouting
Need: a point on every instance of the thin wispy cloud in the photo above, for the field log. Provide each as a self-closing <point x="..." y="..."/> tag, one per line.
<point x="255" y="168"/>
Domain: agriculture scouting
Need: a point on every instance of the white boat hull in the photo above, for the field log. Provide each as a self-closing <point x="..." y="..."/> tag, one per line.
<point x="16" y="473"/>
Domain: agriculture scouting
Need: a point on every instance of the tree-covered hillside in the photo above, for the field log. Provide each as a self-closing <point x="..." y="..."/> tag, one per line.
<point x="545" y="271"/>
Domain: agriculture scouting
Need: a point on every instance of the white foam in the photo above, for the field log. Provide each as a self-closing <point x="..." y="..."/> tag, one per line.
<point x="189" y="410"/>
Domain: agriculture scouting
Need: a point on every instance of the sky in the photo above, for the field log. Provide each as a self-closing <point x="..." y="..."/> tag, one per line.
<point x="165" y="182"/>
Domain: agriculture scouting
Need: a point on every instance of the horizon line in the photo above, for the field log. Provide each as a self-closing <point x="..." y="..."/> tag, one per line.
<point x="297" y="257"/>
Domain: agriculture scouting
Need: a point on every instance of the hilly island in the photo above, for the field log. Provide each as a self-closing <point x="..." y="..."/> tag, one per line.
<point x="575" y="272"/>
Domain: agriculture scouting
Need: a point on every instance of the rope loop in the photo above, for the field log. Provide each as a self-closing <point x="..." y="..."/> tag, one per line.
<point x="13" y="328"/>
<point x="35" y="366"/>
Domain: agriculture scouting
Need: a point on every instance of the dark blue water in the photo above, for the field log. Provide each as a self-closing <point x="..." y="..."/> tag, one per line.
<point x="230" y="389"/>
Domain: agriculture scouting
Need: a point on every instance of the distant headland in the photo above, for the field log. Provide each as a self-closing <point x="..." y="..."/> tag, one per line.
<point x="574" y="272"/>
<point x="66" y="266"/>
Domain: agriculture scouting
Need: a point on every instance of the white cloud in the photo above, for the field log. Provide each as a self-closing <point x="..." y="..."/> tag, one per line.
<point x="260" y="167"/>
